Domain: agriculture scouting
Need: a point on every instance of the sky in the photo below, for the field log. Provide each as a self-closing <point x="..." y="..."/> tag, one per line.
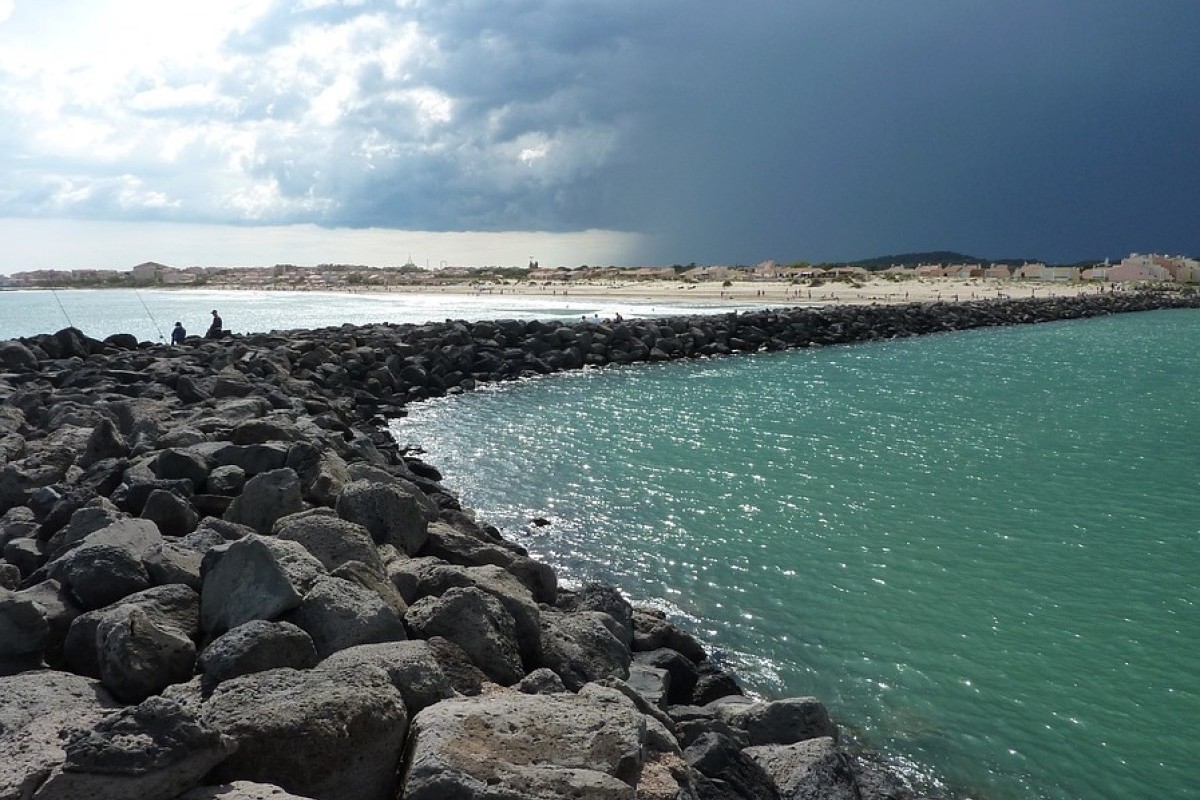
<point x="570" y="132"/>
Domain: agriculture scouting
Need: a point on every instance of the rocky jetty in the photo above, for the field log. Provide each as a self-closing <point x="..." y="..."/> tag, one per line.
<point x="221" y="578"/>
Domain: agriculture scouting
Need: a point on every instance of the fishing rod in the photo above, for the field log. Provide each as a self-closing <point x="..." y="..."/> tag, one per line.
<point x="62" y="307"/>
<point x="151" y="316"/>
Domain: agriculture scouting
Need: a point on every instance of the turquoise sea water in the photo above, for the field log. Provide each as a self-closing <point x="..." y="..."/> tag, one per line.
<point x="151" y="313"/>
<point x="979" y="549"/>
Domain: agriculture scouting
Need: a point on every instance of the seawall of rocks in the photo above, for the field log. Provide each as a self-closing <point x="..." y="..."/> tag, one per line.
<point x="220" y="577"/>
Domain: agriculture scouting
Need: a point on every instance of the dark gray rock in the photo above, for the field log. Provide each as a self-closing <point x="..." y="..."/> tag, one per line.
<point x="478" y="623"/>
<point x="338" y="614"/>
<point x="682" y="671"/>
<point x="94" y="516"/>
<point x="412" y="667"/>
<point x="358" y="573"/>
<point x="256" y="577"/>
<point x="265" y="498"/>
<point x="225" y="480"/>
<point x="175" y="606"/>
<point x="777" y="722"/>
<point x="457" y="547"/>
<point x="389" y="513"/>
<point x="538" y="747"/>
<point x="720" y="759"/>
<point x="333" y="540"/>
<point x="651" y="630"/>
<point x="173" y="515"/>
<point x="172" y="562"/>
<point x="157" y="749"/>
<point x="104" y="441"/>
<point x="256" y="646"/>
<point x="541" y="681"/>
<point x="98" y="573"/>
<point x="816" y="769"/>
<point x="38" y="711"/>
<point x="24" y="628"/>
<point x="581" y="648"/>
<point x="138" y="657"/>
<point x="333" y="734"/>
<point x="600" y="597"/>
<point x="186" y="464"/>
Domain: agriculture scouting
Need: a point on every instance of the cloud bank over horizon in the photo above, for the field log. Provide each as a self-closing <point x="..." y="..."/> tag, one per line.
<point x="692" y="131"/>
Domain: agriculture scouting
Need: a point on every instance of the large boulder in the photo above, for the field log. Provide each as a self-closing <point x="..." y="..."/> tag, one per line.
<point x="99" y="574"/>
<point x="411" y="665"/>
<point x="389" y="512"/>
<point x="338" y="614"/>
<point x="265" y="498"/>
<point x="720" y="759"/>
<point x="582" y="647"/>
<point x="329" y="734"/>
<point x="38" y="710"/>
<point x="459" y="547"/>
<point x="255" y="646"/>
<point x="151" y="751"/>
<point x="536" y="747"/>
<point x="478" y="623"/>
<point x="139" y="657"/>
<point x="240" y="790"/>
<point x="175" y="606"/>
<point x="256" y="577"/>
<point x="333" y="540"/>
<point x="778" y="722"/>
<point x="815" y="769"/>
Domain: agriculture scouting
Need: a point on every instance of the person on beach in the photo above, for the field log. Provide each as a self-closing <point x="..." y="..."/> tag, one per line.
<point x="178" y="334"/>
<point x="216" y="330"/>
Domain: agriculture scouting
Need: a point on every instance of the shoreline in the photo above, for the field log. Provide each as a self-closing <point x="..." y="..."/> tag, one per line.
<point x="302" y="415"/>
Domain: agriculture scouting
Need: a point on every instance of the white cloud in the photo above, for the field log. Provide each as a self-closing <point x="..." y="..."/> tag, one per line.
<point x="6" y="10"/>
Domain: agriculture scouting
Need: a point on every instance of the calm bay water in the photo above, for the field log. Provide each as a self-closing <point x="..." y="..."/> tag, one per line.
<point x="979" y="549"/>
<point x="150" y="314"/>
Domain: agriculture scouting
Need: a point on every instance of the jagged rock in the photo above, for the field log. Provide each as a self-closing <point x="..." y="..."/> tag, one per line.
<point x="720" y="759"/>
<point x="815" y="769"/>
<point x="332" y="734"/>
<point x="478" y="623"/>
<point x="433" y="578"/>
<point x="175" y="606"/>
<point x="541" y="681"/>
<point x="38" y="709"/>
<point x="98" y="573"/>
<point x="390" y="514"/>
<point x="465" y="678"/>
<point x="10" y="576"/>
<point x="14" y="355"/>
<point x="94" y="516"/>
<point x="713" y="683"/>
<point x="256" y="577"/>
<point x="600" y="597"/>
<point x="252" y="459"/>
<point x="580" y="647"/>
<point x="682" y="671"/>
<point x="411" y="665"/>
<point x="172" y="562"/>
<point x="778" y="722"/>
<point x="651" y="683"/>
<point x="25" y="553"/>
<point x="338" y="614"/>
<point x="104" y="441"/>
<point x="333" y="540"/>
<point x="138" y="657"/>
<point x="265" y="498"/>
<point x="156" y="749"/>
<point x="540" y="747"/>
<point x="323" y="473"/>
<point x="225" y="480"/>
<point x="651" y="630"/>
<point x="173" y="515"/>
<point x="24" y="628"/>
<point x="359" y="573"/>
<point x="456" y="547"/>
<point x="256" y="646"/>
<point x="185" y="464"/>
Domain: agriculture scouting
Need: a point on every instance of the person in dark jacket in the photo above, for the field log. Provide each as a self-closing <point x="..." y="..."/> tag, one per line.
<point x="216" y="330"/>
<point x="178" y="334"/>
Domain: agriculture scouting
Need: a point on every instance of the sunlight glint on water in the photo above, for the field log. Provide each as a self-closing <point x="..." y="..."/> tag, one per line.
<point x="979" y="549"/>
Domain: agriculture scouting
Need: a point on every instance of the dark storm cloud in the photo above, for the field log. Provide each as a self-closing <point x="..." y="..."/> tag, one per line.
<point x="817" y="130"/>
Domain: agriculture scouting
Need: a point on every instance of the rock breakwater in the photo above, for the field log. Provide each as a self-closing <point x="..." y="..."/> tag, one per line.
<point x="220" y="577"/>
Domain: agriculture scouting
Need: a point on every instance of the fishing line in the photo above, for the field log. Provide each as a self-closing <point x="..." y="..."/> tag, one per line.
<point x="151" y="316"/>
<point x="62" y="308"/>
